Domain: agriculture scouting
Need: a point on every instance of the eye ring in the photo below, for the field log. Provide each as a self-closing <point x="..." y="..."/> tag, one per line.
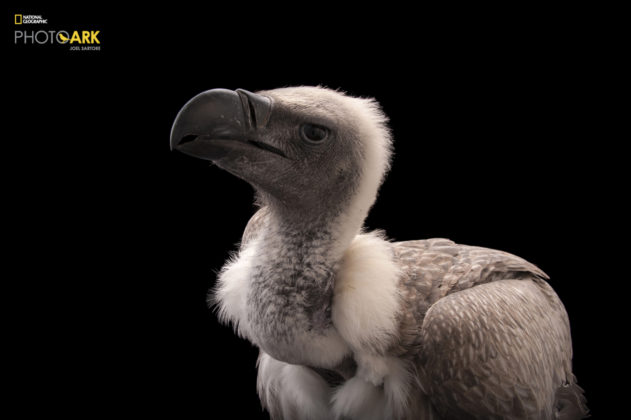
<point x="313" y="133"/>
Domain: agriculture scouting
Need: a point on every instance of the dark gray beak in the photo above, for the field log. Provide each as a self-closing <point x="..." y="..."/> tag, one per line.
<point x="211" y="118"/>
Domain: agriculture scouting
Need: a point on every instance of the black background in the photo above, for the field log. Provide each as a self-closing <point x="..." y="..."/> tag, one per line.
<point x="117" y="239"/>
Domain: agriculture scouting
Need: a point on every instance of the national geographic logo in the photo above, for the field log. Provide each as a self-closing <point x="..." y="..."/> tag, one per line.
<point x="80" y="40"/>
<point x="30" y="20"/>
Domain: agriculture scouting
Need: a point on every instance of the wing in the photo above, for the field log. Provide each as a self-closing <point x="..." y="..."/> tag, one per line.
<point x="434" y="268"/>
<point x="497" y="350"/>
<point x="490" y="336"/>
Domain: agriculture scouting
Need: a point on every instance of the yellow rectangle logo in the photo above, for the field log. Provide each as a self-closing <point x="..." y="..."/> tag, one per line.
<point x="18" y="19"/>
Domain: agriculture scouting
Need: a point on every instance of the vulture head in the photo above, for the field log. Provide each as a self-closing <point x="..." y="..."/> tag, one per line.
<point x="306" y="150"/>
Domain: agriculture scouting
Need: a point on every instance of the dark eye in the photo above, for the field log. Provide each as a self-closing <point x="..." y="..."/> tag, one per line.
<point x="313" y="133"/>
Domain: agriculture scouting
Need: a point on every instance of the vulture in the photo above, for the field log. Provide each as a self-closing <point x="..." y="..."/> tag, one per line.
<point x="352" y="325"/>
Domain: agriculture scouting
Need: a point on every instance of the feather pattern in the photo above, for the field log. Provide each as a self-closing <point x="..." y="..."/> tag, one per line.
<point x="491" y="330"/>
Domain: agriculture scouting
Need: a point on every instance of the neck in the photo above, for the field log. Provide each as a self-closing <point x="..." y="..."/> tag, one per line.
<point x="293" y="278"/>
<point x="323" y="233"/>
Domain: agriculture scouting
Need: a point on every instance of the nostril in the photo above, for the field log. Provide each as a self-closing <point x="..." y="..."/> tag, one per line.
<point x="252" y="113"/>
<point x="187" y="139"/>
<point x="248" y="107"/>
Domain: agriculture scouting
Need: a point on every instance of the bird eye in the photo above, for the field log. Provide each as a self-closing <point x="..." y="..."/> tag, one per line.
<point x="313" y="133"/>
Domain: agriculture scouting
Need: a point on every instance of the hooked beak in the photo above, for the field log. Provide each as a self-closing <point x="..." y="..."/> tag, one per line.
<point x="211" y="124"/>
